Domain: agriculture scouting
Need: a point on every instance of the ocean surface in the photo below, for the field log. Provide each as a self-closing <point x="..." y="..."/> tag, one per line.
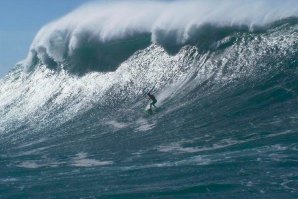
<point x="225" y="75"/>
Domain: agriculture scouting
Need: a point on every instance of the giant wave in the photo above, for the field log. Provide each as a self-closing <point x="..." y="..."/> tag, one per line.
<point x="224" y="74"/>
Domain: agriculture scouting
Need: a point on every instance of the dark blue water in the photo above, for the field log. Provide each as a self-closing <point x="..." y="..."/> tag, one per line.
<point x="225" y="127"/>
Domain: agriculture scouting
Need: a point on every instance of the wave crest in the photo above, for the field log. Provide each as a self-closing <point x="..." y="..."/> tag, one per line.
<point x="100" y="36"/>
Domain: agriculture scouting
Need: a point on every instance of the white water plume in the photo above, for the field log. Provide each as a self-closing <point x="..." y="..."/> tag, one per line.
<point x="108" y="21"/>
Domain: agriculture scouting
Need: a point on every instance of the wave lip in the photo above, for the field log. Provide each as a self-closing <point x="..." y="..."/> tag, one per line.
<point x="96" y="36"/>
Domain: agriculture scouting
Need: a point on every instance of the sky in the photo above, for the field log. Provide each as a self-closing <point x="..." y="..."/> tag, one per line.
<point x="20" y="20"/>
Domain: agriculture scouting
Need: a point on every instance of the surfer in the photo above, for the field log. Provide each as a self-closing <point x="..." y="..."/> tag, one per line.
<point x="153" y="100"/>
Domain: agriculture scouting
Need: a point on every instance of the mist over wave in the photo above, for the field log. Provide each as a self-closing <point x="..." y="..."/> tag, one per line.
<point x="95" y="36"/>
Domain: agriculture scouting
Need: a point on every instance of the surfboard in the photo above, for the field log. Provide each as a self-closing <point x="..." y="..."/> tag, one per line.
<point x="151" y="111"/>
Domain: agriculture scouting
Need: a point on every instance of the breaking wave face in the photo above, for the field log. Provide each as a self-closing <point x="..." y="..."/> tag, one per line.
<point x="224" y="73"/>
<point x="100" y="36"/>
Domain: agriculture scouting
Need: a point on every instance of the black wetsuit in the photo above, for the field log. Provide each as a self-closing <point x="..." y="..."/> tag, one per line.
<point x="153" y="100"/>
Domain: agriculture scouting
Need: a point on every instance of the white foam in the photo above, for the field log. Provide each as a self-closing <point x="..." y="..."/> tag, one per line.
<point x="7" y="180"/>
<point x="35" y="164"/>
<point x="179" y="148"/>
<point x="196" y="160"/>
<point x="81" y="160"/>
<point x="30" y="165"/>
<point x="117" y="125"/>
<point x="33" y="143"/>
<point x="119" y="19"/>
<point x="143" y="125"/>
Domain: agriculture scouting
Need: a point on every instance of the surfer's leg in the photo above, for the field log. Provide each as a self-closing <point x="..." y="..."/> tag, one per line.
<point x="153" y="103"/>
